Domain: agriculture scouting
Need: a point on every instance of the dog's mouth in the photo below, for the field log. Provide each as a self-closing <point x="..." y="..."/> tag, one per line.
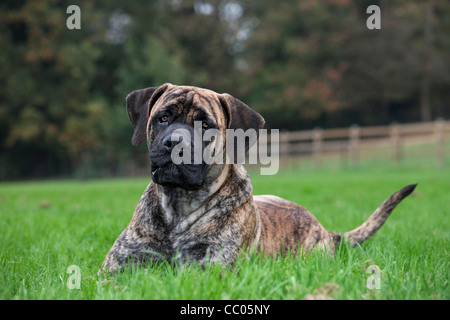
<point x="154" y="169"/>
<point x="189" y="177"/>
<point x="165" y="170"/>
<point x="159" y="164"/>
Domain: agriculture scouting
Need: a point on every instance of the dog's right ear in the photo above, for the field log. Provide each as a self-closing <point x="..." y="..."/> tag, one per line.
<point x="139" y="104"/>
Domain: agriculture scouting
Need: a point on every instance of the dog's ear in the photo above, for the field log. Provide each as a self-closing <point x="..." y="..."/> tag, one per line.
<point x="139" y="104"/>
<point x="241" y="116"/>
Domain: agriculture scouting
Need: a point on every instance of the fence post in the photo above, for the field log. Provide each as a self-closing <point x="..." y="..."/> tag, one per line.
<point x="395" y="142"/>
<point x="354" y="145"/>
<point x="439" y="136"/>
<point x="317" y="146"/>
<point x="284" y="151"/>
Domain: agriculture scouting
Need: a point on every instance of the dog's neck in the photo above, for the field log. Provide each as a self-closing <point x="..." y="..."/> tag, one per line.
<point x="182" y="214"/>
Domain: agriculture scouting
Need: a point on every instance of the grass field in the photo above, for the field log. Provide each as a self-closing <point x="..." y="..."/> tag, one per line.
<point x="46" y="227"/>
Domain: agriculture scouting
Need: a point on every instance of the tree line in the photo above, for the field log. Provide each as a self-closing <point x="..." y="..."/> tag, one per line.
<point x="301" y="64"/>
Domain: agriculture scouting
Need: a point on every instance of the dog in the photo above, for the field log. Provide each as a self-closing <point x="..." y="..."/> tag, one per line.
<point x="206" y="212"/>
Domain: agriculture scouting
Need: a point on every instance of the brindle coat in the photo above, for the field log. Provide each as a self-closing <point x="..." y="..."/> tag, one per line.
<point x="208" y="212"/>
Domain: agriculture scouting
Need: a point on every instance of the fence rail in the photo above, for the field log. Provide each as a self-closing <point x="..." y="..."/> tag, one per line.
<point x="351" y="141"/>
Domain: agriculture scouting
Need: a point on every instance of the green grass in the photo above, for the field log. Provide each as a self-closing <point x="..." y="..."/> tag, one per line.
<point x="45" y="227"/>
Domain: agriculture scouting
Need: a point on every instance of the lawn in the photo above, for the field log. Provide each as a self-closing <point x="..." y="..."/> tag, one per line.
<point x="47" y="227"/>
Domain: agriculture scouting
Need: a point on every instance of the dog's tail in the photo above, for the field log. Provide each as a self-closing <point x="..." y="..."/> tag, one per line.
<point x="376" y="220"/>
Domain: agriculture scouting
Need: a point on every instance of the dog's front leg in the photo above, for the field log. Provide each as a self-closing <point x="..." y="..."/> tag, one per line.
<point x="131" y="248"/>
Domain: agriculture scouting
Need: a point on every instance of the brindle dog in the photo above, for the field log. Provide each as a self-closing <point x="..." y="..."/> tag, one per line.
<point x="207" y="212"/>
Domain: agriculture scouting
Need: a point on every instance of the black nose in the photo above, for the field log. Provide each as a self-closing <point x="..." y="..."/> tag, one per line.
<point x="169" y="144"/>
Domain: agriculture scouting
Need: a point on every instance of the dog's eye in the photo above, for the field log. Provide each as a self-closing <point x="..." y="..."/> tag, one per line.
<point x="164" y="118"/>
<point x="205" y="125"/>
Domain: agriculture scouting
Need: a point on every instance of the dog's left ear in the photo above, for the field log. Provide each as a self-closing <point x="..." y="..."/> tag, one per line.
<point x="240" y="116"/>
<point x="138" y="105"/>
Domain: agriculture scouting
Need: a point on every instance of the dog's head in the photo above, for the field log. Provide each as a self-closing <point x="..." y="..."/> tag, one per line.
<point x="174" y="120"/>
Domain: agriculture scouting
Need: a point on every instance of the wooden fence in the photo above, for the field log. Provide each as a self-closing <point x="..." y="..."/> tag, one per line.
<point x="350" y="142"/>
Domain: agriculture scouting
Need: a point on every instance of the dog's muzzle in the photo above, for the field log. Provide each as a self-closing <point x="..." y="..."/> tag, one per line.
<point x="165" y="169"/>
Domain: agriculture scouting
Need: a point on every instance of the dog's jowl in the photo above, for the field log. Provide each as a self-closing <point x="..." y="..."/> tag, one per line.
<point x="205" y="210"/>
